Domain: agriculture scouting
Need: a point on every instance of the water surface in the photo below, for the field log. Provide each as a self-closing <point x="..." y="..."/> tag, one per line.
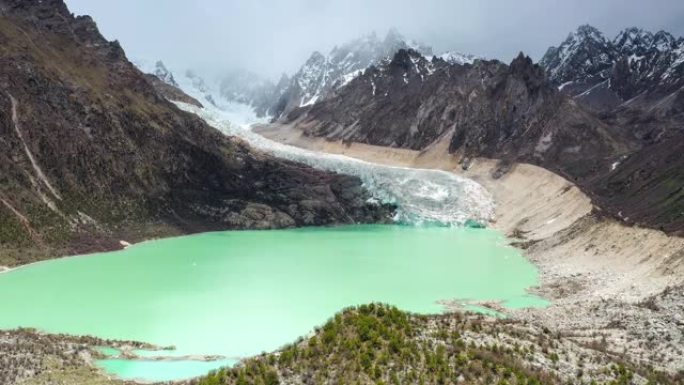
<point x="237" y="294"/>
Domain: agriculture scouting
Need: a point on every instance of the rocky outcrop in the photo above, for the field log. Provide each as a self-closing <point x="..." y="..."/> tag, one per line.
<point x="171" y="92"/>
<point x="91" y="153"/>
<point x="511" y="113"/>
<point x="163" y="80"/>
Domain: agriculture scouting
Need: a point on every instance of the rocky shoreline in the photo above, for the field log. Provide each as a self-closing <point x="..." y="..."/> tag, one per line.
<point x="605" y="278"/>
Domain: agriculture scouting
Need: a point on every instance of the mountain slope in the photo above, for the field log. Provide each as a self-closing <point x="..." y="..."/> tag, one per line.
<point x="90" y="153"/>
<point x="636" y="82"/>
<point x="512" y="113"/>
<point x="486" y="109"/>
<point x="163" y="81"/>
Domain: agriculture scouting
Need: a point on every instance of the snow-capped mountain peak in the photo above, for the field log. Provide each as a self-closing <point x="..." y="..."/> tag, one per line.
<point x="583" y="52"/>
<point x="632" y="40"/>
<point x="664" y="41"/>
<point x="322" y="74"/>
<point x="587" y="32"/>
<point x="606" y="73"/>
<point x="453" y="57"/>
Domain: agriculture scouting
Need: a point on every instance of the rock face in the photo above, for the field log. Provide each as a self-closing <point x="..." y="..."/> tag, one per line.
<point x="165" y="83"/>
<point x="322" y="74"/>
<point x="485" y="109"/>
<point x="163" y="73"/>
<point x="513" y="113"/>
<point x="636" y="82"/>
<point x="91" y="153"/>
<point x="171" y="92"/>
<point x="604" y="74"/>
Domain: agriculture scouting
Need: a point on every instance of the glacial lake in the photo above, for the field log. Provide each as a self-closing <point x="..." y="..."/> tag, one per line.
<point x="239" y="293"/>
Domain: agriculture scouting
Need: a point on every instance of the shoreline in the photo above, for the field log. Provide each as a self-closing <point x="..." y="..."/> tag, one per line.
<point x="596" y="271"/>
<point x="587" y="298"/>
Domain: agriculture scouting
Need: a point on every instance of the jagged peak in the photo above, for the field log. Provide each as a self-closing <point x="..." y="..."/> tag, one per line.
<point x="370" y="43"/>
<point x="633" y="37"/>
<point x="453" y="57"/>
<point x="164" y="74"/>
<point x="368" y="40"/>
<point x="315" y="57"/>
<point x="160" y="67"/>
<point x="521" y="62"/>
<point x="632" y="32"/>
<point x="524" y="67"/>
<point x="402" y="57"/>
<point x="284" y="80"/>
<point x="663" y="40"/>
<point x="587" y="32"/>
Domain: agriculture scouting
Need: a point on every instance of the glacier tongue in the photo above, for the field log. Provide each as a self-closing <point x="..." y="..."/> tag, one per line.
<point x="422" y="196"/>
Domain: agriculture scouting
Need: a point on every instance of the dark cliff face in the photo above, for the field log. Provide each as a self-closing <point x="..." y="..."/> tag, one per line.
<point x="91" y="153"/>
<point x="513" y="113"/>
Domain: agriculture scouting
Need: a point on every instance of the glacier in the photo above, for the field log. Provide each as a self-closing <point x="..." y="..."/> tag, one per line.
<point x="422" y="196"/>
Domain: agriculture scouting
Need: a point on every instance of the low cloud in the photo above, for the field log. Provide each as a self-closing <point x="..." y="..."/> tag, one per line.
<point x="275" y="36"/>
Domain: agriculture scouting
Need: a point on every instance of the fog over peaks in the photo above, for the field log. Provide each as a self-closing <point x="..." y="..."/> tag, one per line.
<point x="274" y="36"/>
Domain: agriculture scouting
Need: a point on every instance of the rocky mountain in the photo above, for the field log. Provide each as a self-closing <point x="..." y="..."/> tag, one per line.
<point x="161" y="72"/>
<point x="634" y="81"/>
<point x="91" y="153"/>
<point x="604" y="74"/>
<point x="315" y="80"/>
<point x="512" y="113"/>
<point x="482" y="109"/>
<point x="322" y="74"/>
<point x="452" y="57"/>
<point x="163" y="81"/>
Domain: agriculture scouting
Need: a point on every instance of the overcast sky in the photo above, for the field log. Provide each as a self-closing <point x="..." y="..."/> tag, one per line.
<point x="274" y="36"/>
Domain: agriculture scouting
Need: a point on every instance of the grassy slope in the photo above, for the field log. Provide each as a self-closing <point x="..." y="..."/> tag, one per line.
<point x="377" y="344"/>
<point x="370" y="344"/>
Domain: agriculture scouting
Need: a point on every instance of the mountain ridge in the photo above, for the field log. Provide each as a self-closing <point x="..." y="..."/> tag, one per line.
<point x="605" y="74"/>
<point x="92" y="154"/>
<point x="512" y="113"/>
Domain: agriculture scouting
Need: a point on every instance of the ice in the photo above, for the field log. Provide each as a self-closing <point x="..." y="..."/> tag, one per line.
<point x="422" y="196"/>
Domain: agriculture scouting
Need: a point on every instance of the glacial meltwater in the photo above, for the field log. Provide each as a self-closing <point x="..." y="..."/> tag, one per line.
<point x="238" y="293"/>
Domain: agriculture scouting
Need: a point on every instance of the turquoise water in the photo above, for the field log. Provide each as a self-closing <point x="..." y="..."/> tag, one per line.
<point x="237" y="294"/>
